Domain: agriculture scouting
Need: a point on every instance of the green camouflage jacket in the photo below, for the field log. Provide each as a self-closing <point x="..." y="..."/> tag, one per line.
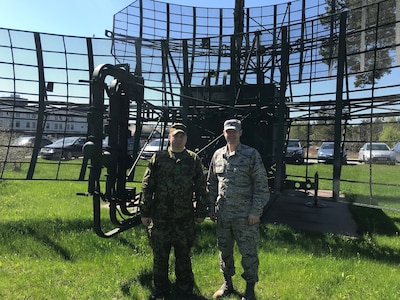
<point x="171" y="183"/>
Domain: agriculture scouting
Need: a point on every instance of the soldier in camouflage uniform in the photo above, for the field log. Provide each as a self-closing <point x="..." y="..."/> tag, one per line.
<point x="171" y="179"/>
<point x="238" y="191"/>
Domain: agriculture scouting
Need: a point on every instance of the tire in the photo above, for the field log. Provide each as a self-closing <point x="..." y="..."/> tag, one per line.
<point x="68" y="155"/>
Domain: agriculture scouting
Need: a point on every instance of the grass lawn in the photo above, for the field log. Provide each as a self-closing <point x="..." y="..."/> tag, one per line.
<point x="48" y="250"/>
<point x="383" y="191"/>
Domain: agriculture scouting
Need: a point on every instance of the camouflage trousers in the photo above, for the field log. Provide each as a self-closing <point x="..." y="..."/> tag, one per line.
<point x="163" y="236"/>
<point x="246" y="237"/>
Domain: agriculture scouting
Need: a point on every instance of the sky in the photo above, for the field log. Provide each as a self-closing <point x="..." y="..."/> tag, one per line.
<point x="90" y="18"/>
<point x="85" y="18"/>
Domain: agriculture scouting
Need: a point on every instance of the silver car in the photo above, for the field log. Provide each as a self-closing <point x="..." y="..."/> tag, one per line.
<point x="376" y="153"/>
<point x="326" y="153"/>
<point x="153" y="147"/>
<point x="396" y="150"/>
<point x="29" y="141"/>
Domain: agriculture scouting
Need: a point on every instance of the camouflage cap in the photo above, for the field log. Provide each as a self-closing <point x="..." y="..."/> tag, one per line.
<point x="177" y="127"/>
<point x="232" y="124"/>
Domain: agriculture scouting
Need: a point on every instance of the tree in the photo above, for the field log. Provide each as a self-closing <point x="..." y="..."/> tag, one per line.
<point x="391" y="132"/>
<point x="370" y="131"/>
<point x="370" y="36"/>
<point x="324" y="128"/>
<point x="299" y="130"/>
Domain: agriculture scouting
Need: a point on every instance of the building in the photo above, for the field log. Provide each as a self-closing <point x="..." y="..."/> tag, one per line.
<point x="20" y="115"/>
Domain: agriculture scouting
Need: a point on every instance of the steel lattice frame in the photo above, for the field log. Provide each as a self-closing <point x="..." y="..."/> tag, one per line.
<point x="150" y="36"/>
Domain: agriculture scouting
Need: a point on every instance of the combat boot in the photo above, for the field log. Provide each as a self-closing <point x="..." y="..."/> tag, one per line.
<point x="226" y="289"/>
<point x="249" y="294"/>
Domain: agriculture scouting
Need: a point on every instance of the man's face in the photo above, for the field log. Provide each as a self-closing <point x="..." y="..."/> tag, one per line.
<point x="232" y="136"/>
<point x="177" y="141"/>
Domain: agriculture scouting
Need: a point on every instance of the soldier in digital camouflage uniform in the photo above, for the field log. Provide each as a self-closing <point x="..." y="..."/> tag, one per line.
<point x="171" y="179"/>
<point x="238" y="191"/>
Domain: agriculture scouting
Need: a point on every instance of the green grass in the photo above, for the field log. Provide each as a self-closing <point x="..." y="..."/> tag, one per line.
<point x="355" y="182"/>
<point x="58" y="170"/>
<point x="48" y="250"/>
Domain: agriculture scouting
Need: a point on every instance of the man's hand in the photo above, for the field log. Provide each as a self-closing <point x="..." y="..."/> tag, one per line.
<point x="146" y="221"/>
<point x="253" y="219"/>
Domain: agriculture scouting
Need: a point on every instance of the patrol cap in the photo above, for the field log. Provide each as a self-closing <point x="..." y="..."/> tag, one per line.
<point x="232" y="124"/>
<point x="177" y="127"/>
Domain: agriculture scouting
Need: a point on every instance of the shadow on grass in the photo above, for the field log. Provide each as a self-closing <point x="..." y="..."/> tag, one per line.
<point x="370" y="222"/>
<point x="205" y="242"/>
<point x="65" y="238"/>
<point x="49" y="233"/>
<point x="374" y="221"/>
<point x="43" y="233"/>
<point x="145" y="279"/>
<point x="45" y="239"/>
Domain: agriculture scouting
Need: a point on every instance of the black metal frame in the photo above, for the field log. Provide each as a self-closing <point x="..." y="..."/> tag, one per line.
<point x="123" y="201"/>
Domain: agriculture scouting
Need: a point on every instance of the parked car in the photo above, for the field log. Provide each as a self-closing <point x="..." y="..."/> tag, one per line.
<point x="294" y="152"/>
<point x="396" y="150"/>
<point x="325" y="153"/>
<point x="66" y="148"/>
<point x="29" y="141"/>
<point x="376" y="153"/>
<point x="153" y="147"/>
<point x="131" y="141"/>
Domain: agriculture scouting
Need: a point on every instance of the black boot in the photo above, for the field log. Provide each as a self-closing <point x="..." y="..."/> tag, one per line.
<point x="226" y="289"/>
<point x="249" y="293"/>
